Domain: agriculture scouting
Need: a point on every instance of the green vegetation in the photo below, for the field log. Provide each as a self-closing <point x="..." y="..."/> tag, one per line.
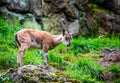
<point x="6" y="79"/>
<point x="96" y="8"/>
<point x="7" y="43"/>
<point x="115" y="70"/>
<point x="84" y="69"/>
<point x="72" y="59"/>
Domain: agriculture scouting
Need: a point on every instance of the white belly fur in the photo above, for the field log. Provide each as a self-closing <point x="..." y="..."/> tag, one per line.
<point x="35" y="44"/>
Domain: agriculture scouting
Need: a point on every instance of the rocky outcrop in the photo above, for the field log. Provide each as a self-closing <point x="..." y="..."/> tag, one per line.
<point x="37" y="74"/>
<point x="113" y="5"/>
<point x="110" y="58"/>
<point x="110" y="23"/>
<point x="17" y="5"/>
<point x="80" y="16"/>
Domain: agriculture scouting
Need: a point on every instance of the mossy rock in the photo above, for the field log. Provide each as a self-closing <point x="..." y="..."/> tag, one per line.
<point x="37" y="74"/>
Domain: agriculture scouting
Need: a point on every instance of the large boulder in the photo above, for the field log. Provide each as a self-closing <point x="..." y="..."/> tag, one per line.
<point x="17" y="5"/>
<point x="113" y="5"/>
<point x="109" y="23"/>
<point x="63" y="6"/>
<point x="36" y="74"/>
<point x="27" y="20"/>
<point x="52" y="23"/>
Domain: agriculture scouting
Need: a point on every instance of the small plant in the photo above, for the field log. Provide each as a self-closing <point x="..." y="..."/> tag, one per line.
<point x="115" y="70"/>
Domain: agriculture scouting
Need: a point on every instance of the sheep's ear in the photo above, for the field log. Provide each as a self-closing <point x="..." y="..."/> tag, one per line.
<point x="63" y="31"/>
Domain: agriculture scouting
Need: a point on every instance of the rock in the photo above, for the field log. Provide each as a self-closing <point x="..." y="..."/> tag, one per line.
<point x="28" y="20"/>
<point x="80" y="3"/>
<point x="81" y="18"/>
<point x="107" y="77"/>
<point x="113" y="5"/>
<point x="116" y="24"/>
<point x="17" y="5"/>
<point x="52" y="24"/>
<point x="111" y="60"/>
<point x="73" y="27"/>
<point x="110" y="22"/>
<point x="110" y="56"/>
<point x="36" y="7"/>
<point x="38" y="74"/>
<point x="71" y="12"/>
<point x="56" y="5"/>
<point x="62" y="6"/>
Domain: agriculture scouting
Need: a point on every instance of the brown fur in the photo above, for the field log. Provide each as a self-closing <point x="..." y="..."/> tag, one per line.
<point x="41" y="37"/>
<point x="37" y="39"/>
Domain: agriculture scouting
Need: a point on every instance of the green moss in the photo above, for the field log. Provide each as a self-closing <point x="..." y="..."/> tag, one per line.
<point x="67" y="58"/>
<point x="59" y="74"/>
<point x="27" y="77"/>
<point x="101" y="10"/>
<point x="73" y="80"/>
<point x="32" y="71"/>
<point x="96" y="8"/>
<point x="53" y="74"/>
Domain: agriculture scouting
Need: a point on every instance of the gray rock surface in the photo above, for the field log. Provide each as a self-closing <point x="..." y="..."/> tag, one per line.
<point x="38" y="74"/>
<point x="80" y="15"/>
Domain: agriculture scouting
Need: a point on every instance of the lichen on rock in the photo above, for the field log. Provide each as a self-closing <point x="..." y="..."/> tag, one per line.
<point x="38" y="74"/>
